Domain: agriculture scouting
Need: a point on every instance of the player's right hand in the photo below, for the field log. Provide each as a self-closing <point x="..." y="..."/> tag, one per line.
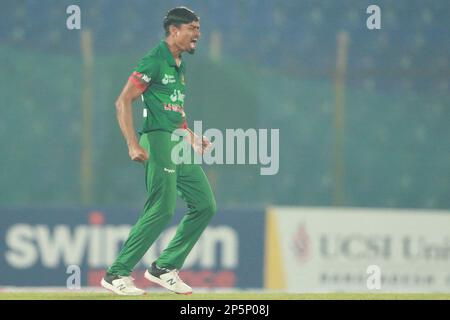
<point x="137" y="153"/>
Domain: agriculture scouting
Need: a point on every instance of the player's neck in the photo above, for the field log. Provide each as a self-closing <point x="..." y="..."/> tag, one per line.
<point x="176" y="52"/>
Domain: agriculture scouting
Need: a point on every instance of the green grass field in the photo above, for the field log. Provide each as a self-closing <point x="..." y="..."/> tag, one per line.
<point x="220" y="296"/>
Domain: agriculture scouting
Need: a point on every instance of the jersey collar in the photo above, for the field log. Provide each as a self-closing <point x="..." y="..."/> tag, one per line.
<point x="168" y="55"/>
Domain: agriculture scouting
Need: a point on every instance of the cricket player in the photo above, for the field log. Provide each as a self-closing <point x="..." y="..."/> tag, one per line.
<point x="160" y="78"/>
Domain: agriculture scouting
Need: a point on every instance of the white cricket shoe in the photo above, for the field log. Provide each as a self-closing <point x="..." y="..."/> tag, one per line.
<point x="169" y="279"/>
<point x="121" y="285"/>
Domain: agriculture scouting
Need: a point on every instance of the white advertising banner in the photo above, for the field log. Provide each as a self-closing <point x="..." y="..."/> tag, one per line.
<point x="359" y="250"/>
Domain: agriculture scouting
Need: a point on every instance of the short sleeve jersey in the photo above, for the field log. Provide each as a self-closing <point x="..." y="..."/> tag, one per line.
<point x="163" y="94"/>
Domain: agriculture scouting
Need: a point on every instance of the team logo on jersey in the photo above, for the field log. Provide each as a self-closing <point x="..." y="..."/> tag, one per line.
<point x="168" y="78"/>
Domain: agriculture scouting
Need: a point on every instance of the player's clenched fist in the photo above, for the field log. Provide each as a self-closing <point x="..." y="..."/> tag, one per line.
<point x="137" y="153"/>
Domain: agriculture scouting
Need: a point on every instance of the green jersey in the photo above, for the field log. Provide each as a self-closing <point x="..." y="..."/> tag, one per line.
<point x="163" y="94"/>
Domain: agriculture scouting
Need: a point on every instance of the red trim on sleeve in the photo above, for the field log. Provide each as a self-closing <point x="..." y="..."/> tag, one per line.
<point x="134" y="79"/>
<point x="185" y="126"/>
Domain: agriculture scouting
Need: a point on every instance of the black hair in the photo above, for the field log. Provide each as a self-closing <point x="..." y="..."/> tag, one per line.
<point x="178" y="16"/>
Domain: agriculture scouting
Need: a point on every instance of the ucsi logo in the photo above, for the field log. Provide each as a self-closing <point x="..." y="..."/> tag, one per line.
<point x="355" y="246"/>
<point x="301" y="243"/>
<point x="97" y="246"/>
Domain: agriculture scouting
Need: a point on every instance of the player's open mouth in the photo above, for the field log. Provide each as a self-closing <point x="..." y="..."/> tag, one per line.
<point x="193" y="43"/>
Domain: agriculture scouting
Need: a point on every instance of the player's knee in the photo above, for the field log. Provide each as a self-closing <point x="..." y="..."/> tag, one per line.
<point x="162" y="213"/>
<point x="167" y="208"/>
<point x="162" y="203"/>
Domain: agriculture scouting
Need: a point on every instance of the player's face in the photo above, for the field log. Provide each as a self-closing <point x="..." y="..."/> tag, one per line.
<point x="188" y="36"/>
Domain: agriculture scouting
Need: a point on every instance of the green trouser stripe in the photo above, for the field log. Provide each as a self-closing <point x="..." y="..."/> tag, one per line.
<point x="191" y="183"/>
